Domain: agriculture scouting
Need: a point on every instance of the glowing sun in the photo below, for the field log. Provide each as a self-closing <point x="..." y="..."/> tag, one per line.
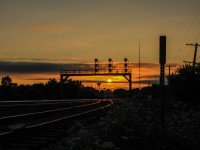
<point x="109" y="80"/>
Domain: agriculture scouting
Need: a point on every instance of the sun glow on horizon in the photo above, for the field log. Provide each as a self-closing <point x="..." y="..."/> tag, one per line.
<point x="109" y="80"/>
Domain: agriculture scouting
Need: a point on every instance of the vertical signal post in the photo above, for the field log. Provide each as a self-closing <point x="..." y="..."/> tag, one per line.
<point x="162" y="79"/>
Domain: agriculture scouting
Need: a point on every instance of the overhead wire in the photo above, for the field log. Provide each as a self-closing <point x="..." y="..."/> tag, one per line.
<point x="198" y="36"/>
<point x="190" y="34"/>
<point x="194" y="25"/>
<point x="195" y="31"/>
<point x="186" y="39"/>
<point x="198" y="58"/>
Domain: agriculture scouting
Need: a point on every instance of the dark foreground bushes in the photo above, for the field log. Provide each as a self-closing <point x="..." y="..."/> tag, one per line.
<point x="134" y="125"/>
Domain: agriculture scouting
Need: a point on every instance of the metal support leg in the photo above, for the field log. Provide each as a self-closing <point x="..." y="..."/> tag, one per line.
<point x="130" y="86"/>
<point x="61" y="87"/>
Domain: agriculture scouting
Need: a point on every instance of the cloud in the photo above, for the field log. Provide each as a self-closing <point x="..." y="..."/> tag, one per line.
<point x="146" y="81"/>
<point x="125" y="82"/>
<point x="45" y="28"/>
<point x="45" y="60"/>
<point x="152" y="76"/>
<point x="43" y="65"/>
<point x="39" y="67"/>
<point x="37" y="70"/>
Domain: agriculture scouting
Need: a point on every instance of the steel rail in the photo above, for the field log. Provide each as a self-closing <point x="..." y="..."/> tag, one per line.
<point x="42" y="112"/>
<point x="35" y="131"/>
<point x="26" y="104"/>
<point x="39" y="102"/>
<point x="72" y="116"/>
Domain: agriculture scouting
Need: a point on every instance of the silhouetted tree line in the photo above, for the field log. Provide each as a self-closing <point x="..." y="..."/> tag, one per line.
<point x="185" y="83"/>
<point x="49" y="90"/>
<point x="182" y="85"/>
<point x="71" y="90"/>
<point x="52" y="90"/>
<point x="153" y="90"/>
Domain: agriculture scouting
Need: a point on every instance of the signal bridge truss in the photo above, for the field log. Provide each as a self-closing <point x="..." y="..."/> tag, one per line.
<point x="126" y="73"/>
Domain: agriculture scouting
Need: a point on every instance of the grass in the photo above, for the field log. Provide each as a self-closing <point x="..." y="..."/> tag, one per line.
<point x="134" y="124"/>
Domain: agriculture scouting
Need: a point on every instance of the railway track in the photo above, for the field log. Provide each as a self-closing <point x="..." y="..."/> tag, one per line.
<point x="41" y="116"/>
<point x="33" y="133"/>
<point x="12" y="108"/>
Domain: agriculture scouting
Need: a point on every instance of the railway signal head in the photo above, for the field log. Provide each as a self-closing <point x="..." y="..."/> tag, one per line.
<point x="110" y="65"/>
<point x="96" y="65"/>
<point x="162" y="49"/>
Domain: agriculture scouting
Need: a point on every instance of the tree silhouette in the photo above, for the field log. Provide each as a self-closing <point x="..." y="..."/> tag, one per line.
<point x="7" y="88"/>
<point x="6" y="81"/>
<point x="72" y="89"/>
<point x="153" y="90"/>
<point x="52" y="88"/>
<point x="49" y="90"/>
<point x="120" y="93"/>
<point x="185" y="83"/>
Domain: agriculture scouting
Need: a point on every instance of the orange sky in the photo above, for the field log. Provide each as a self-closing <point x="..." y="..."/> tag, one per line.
<point x="39" y="37"/>
<point x="149" y="74"/>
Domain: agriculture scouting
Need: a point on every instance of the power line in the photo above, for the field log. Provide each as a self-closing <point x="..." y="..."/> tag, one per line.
<point x="198" y="58"/>
<point x="193" y="26"/>
<point x="198" y="36"/>
<point x="194" y="34"/>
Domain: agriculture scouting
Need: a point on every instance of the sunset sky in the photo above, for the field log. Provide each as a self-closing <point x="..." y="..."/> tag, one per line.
<point x="40" y="37"/>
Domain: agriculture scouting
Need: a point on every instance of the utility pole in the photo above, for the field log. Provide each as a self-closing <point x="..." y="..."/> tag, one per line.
<point x="170" y="66"/>
<point x="195" y="52"/>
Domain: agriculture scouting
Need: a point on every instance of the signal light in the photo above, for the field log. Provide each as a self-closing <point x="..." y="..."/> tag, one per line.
<point x="125" y="65"/>
<point x="96" y="65"/>
<point x="110" y="65"/>
<point x="162" y="49"/>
